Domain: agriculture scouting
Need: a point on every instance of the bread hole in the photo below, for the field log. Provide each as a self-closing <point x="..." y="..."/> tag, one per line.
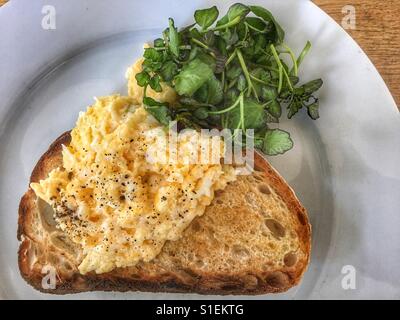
<point x="290" y="259"/>
<point x="187" y="276"/>
<point x="210" y="232"/>
<point x="61" y="241"/>
<point x="218" y="193"/>
<point x="250" y="281"/>
<point x="258" y="178"/>
<point x="277" y="279"/>
<point x="277" y="230"/>
<point x="67" y="266"/>
<point x="230" y="287"/>
<point x="46" y="215"/>
<point x="199" y="263"/>
<point x="240" y="251"/>
<point x="301" y="217"/>
<point x="196" y="226"/>
<point x="219" y="201"/>
<point x="264" y="188"/>
<point x="129" y="231"/>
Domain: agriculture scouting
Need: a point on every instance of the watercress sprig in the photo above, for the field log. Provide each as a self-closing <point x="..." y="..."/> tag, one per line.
<point x="235" y="72"/>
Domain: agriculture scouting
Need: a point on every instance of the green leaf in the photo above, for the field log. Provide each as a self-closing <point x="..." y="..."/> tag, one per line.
<point x="201" y="94"/>
<point x="269" y="93"/>
<point x="158" y="43"/>
<point x="201" y="113"/>
<point x="142" y="78"/>
<point x="241" y="83"/>
<point x="192" y="77"/>
<point x="206" y="17"/>
<point x="312" y="86"/>
<point x="274" y="108"/>
<point x="151" y="66"/>
<point x="235" y="14"/>
<point x="294" y="107"/>
<point x="153" y="55"/>
<point x="195" y="33"/>
<point x="237" y="10"/>
<point x="269" y="18"/>
<point x="260" y="44"/>
<point x="158" y="110"/>
<point x="256" y="24"/>
<point x="313" y="110"/>
<point x="155" y="83"/>
<point x="207" y="59"/>
<point x="254" y="115"/>
<point x="231" y="95"/>
<point x="215" y="91"/>
<point x="221" y="45"/>
<point x="223" y="21"/>
<point x="276" y="142"/>
<point x="211" y="92"/>
<point x="233" y="72"/>
<point x="209" y="38"/>
<point x="173" y="38"/>
<point x="169" y="70"/>
<point x="230" y="37"/>
<point x="269" y="118"/>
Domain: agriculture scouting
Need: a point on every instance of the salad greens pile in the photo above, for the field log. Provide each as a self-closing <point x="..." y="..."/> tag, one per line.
<point x="229" y="73"/>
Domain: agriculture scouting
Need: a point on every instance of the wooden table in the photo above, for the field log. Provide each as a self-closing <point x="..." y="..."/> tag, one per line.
<point x="377" y="31"/>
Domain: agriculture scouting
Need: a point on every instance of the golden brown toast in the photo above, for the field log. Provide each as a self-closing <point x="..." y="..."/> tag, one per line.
<point x="253" y="239"/>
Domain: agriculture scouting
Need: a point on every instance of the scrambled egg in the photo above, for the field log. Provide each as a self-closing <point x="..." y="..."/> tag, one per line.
<point x="135" y="91"/>
<point x="109" y="198"/>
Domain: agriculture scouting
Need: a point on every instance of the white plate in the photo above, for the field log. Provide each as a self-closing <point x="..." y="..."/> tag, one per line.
<point x="344" y="167"/>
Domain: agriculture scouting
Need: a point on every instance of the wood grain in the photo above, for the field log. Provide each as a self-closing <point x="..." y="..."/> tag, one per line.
<point x="377" y="32"/>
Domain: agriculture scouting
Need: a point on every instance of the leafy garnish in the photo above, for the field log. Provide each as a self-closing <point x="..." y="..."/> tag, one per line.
<point x="158" y="110"/>
<point x="277" y="142"/>
<point x="192" y="77"/>
<point x="234" y="72"/>
<point x="206" y="17"/>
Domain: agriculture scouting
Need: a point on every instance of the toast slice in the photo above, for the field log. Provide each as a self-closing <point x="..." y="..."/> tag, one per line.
<point x="253" y="239"/>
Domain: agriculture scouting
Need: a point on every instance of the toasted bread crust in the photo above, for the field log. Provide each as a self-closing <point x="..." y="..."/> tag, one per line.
<point x="151" y="276"/>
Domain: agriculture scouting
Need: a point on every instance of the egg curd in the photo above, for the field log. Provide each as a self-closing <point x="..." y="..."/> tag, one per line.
<point x="107" y="197"/>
